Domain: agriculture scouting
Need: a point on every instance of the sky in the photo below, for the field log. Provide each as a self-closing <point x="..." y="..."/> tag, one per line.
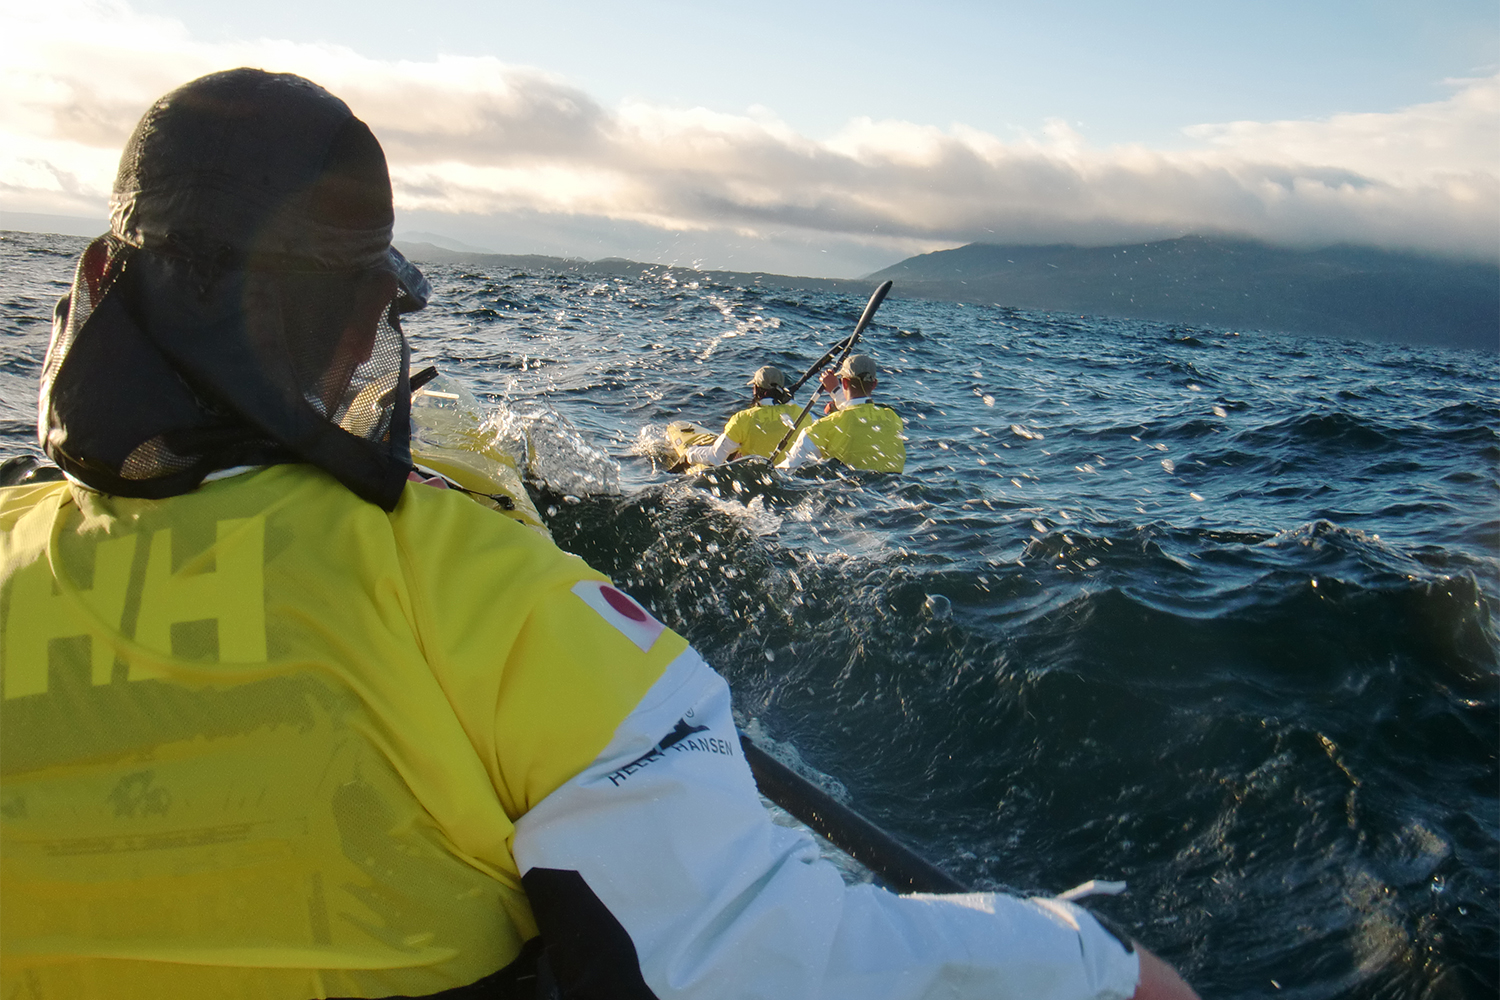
<point x="823" y="137"/>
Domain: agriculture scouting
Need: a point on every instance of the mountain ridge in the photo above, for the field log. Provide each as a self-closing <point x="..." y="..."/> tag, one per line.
<point x="1348" y="292"/>
<point x="1344" y="291"/>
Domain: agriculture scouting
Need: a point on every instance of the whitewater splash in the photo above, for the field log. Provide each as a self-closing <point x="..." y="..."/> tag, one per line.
<point x="1212" y="612"/>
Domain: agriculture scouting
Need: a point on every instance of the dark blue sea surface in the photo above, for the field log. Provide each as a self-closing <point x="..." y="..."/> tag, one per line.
<point x="1213" y="612"/>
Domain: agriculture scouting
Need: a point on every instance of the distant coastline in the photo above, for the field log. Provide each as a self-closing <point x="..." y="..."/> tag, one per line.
<point x="1344" y="292"/>
<point x="420" y="253"/>
<point x="1349" y="292"/>
<point x="1352" y="293"/>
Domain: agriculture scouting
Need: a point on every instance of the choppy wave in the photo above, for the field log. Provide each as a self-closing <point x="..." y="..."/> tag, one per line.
<point x="1211" y="611"/>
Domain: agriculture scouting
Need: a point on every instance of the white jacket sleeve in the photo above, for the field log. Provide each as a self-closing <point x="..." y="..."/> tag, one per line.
<point x="657" y="873"/>
<point x="712" y="454"/>
<point x="803" y="451"/>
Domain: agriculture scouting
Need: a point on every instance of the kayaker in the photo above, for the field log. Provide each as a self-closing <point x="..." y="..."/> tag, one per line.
<point x="280" y="722"/>
<point x="757" y="429"/>
<point x="857" y="431"/>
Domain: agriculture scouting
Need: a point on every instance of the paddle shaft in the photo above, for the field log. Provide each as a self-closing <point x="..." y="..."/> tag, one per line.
<point x="842" y="348"/>
<point x="897" y="865"/>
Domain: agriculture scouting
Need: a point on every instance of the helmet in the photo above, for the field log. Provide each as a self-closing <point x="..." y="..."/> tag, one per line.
<point x="768" y="377"/>
<point x="858" y="366"/>
<point x="244" y="306"/>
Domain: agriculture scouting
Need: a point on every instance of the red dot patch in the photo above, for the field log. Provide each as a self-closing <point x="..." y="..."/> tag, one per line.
<point x="623" y="604"/>
<point x="620" y="612"/>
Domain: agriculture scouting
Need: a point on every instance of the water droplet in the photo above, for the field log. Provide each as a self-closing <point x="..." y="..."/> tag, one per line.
<point x="937" y="606"/>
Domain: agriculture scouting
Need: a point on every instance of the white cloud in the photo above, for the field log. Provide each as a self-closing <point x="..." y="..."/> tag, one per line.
<point x="473" y="136"/>
<point x="1420" y="144"/>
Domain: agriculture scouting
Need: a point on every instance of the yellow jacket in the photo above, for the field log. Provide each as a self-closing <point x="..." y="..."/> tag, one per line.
<point x="864" y="436"/>
<point x="264" y="739"/>
<point x="759" y="429"/>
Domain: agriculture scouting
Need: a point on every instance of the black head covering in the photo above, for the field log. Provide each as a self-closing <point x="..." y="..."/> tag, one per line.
<point x="243" y="308"/>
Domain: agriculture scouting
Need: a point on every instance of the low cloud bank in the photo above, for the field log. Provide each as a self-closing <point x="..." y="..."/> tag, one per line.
<point x="473" y="138"/>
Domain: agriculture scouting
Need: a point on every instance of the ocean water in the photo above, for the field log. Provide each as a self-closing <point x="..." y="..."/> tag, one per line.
<point x="1210" y="611"/>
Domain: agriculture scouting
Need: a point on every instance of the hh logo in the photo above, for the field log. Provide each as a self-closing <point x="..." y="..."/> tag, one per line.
<point x="223" y="585"/>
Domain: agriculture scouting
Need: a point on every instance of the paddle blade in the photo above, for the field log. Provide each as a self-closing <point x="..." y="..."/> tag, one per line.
<point x="870" y="307"/>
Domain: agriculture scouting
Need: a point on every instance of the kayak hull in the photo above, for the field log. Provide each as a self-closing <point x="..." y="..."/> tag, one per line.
<point x="682" y="435"/>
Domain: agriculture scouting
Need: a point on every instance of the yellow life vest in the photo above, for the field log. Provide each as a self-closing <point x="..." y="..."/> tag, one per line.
<point x="866" y="436"/>
<point x="759" y="429"/>
<point x="264" y="739"/>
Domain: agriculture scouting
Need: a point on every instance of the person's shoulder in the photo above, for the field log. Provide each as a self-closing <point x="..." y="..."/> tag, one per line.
<point x="18" y="501"/>
<point x="777" y="415"/>
<point x="742" y="417"/>
<point x="432" y="526"/>
<point x="437" y="509"/>
<point x="787" y="412"/>
<point x="30" y="494"/>
<point x="826" y="428"/>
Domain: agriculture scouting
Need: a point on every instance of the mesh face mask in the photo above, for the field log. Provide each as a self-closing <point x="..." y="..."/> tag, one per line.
<point x="244" y="307"/>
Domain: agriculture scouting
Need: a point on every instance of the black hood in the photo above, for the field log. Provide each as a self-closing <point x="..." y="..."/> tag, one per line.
<point x="244" y="308"/>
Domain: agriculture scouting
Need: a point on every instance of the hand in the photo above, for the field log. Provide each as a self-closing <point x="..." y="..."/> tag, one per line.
<point x="829" y="380"/>
<point x="1159" y="981"/>
<point x="830" y="407"/>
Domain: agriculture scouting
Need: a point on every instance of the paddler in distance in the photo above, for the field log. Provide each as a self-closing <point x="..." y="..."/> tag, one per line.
<point x="279" y="722"/>
<point x="856" y="430"/>
<point x="757" y="429"/>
